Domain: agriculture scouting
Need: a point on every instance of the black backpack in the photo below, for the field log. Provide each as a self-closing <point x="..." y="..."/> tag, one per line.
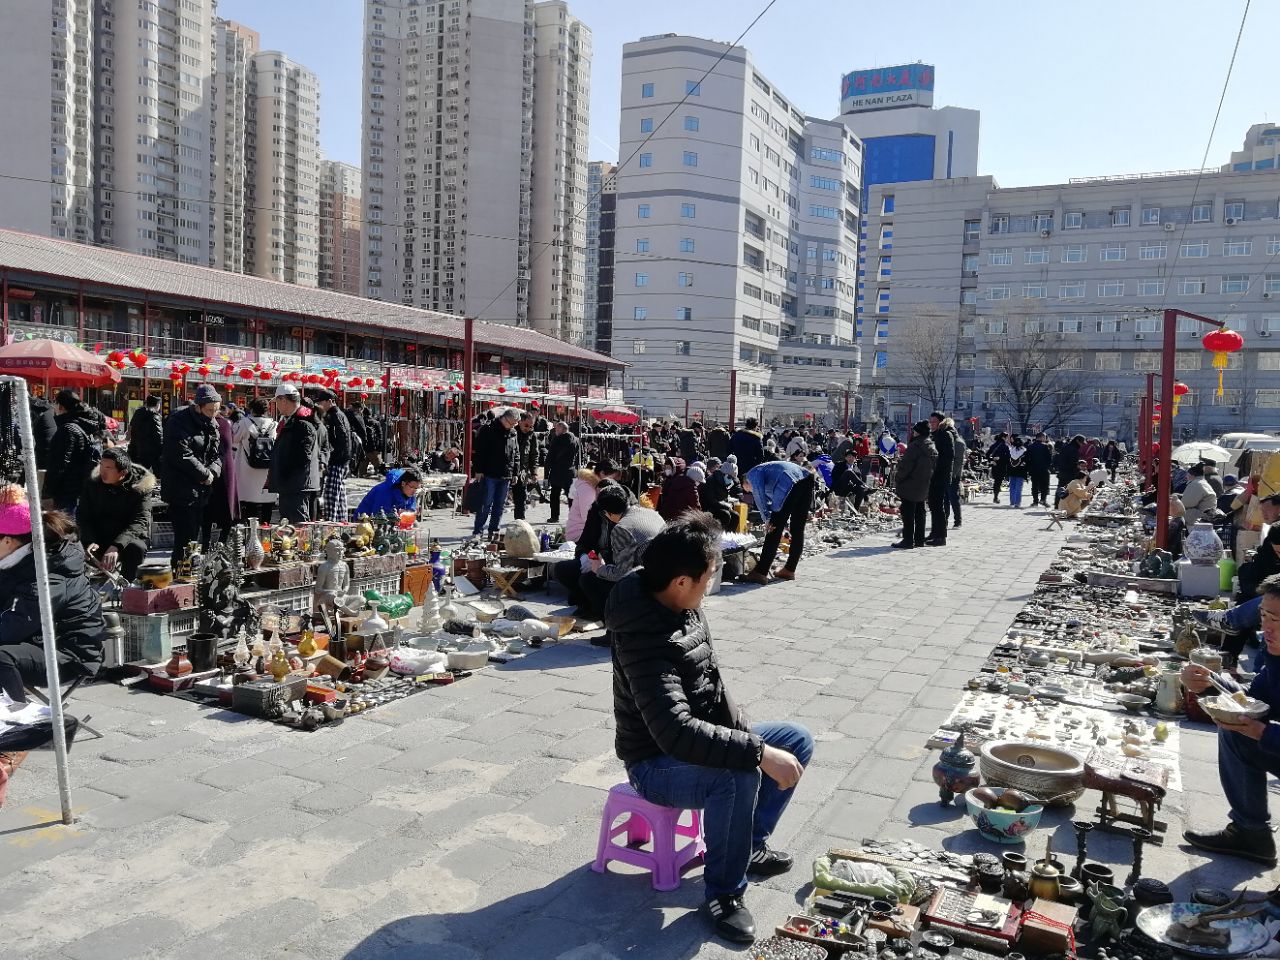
<point x="261" y="446"/>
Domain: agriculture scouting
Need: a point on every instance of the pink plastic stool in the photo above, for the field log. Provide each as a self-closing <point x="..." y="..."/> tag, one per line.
<point x="642" y="822"/>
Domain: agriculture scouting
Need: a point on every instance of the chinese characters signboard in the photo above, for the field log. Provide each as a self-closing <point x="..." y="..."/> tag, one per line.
<point x="887" y="87"/>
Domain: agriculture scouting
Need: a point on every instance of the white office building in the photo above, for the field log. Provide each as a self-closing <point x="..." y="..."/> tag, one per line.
<point x="235" y="46"/>
<point x="561" y="113"/>
<point x="736" y="238"/>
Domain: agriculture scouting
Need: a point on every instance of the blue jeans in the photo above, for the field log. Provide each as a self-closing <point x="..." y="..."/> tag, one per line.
<point x="495" y="499"/>
<point x="1015" y="491"/>
<point x="1243" y="767"/>
<point x="739" y="808"/>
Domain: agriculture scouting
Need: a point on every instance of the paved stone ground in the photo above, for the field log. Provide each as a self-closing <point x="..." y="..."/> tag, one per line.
<point x="460" y="823"/>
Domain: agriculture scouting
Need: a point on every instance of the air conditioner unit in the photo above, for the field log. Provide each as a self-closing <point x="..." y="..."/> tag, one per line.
<point x="1139" y="336"/>
<point x="1230" y="221"/>
<point x="1266" y="296"/>
<point x="1264" y="333"/>
<point x="1169" y="227"/>
<point x="1045" y="233"/>
<point x="1195" y="334"/>
<point x="1234" y="409"/>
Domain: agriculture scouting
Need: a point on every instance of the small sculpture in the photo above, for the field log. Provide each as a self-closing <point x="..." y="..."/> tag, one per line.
<point x="431" y="619"/>
<point x="190" y="563"/>
<point x="954" y="773"/>
<point x="333" y="582"/>
<point x="279" y="665"/>
<point x="254" y="555"/>
<point x="360" y="540"/>
<point x="284" y="544"/>
<point x="395" y="606"/>
<point x="241" y="655"/>
<point x="218" y="594"/>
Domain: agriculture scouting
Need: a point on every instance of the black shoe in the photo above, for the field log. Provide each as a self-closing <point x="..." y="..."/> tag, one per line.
<point x="956" y="525"/>
<point x="732" y="919"/>
<point x="936" y="543"/>
<point x="768" y="863"/>
<point x="901" y="545"/>
<point x="604" y="640"/>
<point x="1257" y="845"/>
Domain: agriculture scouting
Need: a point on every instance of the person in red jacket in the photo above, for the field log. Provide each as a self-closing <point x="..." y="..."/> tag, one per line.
<point x="679" y="491"/>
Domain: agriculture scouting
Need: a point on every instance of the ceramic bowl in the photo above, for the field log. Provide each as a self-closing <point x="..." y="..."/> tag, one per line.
<point x="486" y="611"/>
<point x="467" y="659"/>
<point x="1253" y="709"/>
<point x="1133" y="702"/>
<point x="1035" y="768"/>
<point x="1003" y="826"/>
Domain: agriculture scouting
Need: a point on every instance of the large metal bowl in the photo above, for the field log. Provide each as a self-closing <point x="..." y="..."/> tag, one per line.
<point x="1252" y="710"/>
<point x="1053" y="776"/>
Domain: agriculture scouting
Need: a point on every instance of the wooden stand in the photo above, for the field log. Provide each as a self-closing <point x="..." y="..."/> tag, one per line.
<point x="1142" y="783"/>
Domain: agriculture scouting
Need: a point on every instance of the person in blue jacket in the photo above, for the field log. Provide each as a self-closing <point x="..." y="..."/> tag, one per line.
<point x="398" y="491"/>
<point x="783" y="492"/>
<point x="1248" y="750"/>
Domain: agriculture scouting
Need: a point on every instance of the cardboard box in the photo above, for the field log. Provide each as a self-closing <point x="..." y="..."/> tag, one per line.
<point x="176" y="596"/>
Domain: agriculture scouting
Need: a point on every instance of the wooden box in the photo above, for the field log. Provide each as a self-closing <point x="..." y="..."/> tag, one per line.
<point x="176" y="596"/>
<point x="281" y="578"/>
<point x="1049" y="935"/>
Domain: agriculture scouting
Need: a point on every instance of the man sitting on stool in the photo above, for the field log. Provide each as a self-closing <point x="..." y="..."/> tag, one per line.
<point x="684" y="741"/>
<point x="114" y="515"/>
<point x="1247" y="751"/>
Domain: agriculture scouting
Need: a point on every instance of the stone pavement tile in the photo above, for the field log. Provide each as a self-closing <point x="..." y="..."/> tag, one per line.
<point x="532" y="775"/>
<point x="258" y="932"/>
<point x="823" y="712"/>
<point x="551" y="702"/>
<point x="851" y="815"/>
<point x="336" y="798"/>
<point x="494" y="727"/>
<point x="602" y="702"/>
<point x="543" y="937"/>
<point x="448" y="822"/>
<point x="249" y="798"/>
<point x="572" y="721"/>
<point x="157" y="784"/>
<point x="272" y="824"/>
<point x="408" y="734"/>
<point x="833" y="749"/>
<point x="431" y="754"/>
<point x="888" y="702"/>
<point x="516" y="746"/>
<point x="238" y="773"/>
<point x="819" y="783"/>
<point x="123" y="940"/>
<point x="479" y="860"/>
<point x="480" y="707"/>
<point x="881" y="776"/>
<point x="562" y="802"/>
<point x="865" y="726"/>
<point x="902" y="745"/>
<point x="583" y="746"/>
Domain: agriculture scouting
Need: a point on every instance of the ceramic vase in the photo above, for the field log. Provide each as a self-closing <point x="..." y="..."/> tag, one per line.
<point x="954" y="772"/>
<point x="253" y="552"/>
<point x="1202" y="545"/>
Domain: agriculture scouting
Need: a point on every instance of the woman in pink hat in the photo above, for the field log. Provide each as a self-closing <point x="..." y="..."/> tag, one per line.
<point x="76" y="608"/>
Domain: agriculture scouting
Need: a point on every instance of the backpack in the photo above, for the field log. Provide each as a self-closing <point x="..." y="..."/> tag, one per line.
<point x="261" y="446"/>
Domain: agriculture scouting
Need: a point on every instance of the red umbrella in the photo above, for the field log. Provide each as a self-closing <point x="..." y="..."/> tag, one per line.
<point x="618" y="415"/>
<point x="52" y="361"/>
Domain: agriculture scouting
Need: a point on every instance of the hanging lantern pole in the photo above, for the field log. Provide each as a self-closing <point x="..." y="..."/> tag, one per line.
<point x="468" y="362"/>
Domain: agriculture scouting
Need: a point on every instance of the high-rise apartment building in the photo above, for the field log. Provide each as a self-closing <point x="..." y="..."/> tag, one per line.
<point x="234" y="145"/>
<point x="1261" y="149"/>
<point x="601" y="190"/>
<point x="286" y="170"/>
<point x="340" y="227"/>
<point x="1071" y="279"/>
<point x="447" y="154"/>
<point x="561" y="112"/>
<point x="736" y="242"/>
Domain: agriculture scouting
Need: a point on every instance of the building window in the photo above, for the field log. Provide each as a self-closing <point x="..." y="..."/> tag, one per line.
<point x="1071" y="291"/>
<point x="638" y="346"/>
<point x="642" y="245"/>
<point x="643" y="211"/>
<point x="1001" y="257"/>
<point x="686" y="279"/>
<point x="1202" y="213"/>
<point x="886" y="204"/>
<point x="1233" y="209"/>
<point x="1191" y="286"/>
<point x="968" y="298"/>
<point x="1235" y="283"/>
<point x="999" y="223"/>
<point x="1186" y="360"/>
<point x="1269" y="360"/>
<point x="1194" y="251"/>
<point x="1036" y="255"/>
<point x="1074" y="253"/>
<point x="1153" y="251"/>
<point x="966" y="361"/>
<point x="1072" y="220"/>
<point x="1042" y="220"/>
<point x="1273" y="246"/>
<point x="1237" y="248"/>
<point x="826" y="213"/>
<point x="691" y="124"/>
<point x="973" y="230"/>
<point x="691" y="88"/>
<point x="825" y="183"/>
<point x="997" y="328"/>
<point x="1106" y="361"/>
<point x="1120" y="217"/>
<point x="690" y="158"/>
<point x="1151" y="288"/>
<point x="684" y="313"/>
<point x="642" y="279"/>
<point x="682" y="384"/>
<point x="1111" y="288"/>
<point x="688" y="210"/>
<point x="1150" y="215"/>
<point x="686" y="245"/>
<point x="646" y="90"/>
<point x="640" y="313"/>
<point x="1114" y="252"/>
<point x="1034" y="291"/>
<point x="998" y="293"/>
<point x="1271" y="283"/>
<point x="646" y="124"/>
<point x="646" y="159"/>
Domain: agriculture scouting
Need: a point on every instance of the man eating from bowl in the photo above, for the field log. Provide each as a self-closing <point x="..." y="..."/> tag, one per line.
<point x="1248" y="748"/>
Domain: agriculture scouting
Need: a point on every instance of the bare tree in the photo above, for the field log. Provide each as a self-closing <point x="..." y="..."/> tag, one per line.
<point x="930" y="351"/>
<point x="1034" y="383"/>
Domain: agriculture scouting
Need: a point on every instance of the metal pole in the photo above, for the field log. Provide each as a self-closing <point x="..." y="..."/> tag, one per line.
<point x="846" y="409"/>
<point x="733" y="398"/>
<point x="47" y="638"/>
<point x="1164" y="476"/>
<point x="1144" y="448"/>
<point x="468" y="362"/>
<point x="686" y="413"/>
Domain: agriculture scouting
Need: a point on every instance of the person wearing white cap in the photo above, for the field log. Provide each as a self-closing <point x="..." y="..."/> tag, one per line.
<point x="295" y="458"/>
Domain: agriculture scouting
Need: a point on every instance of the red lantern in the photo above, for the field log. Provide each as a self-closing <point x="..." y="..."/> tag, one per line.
<point x="1222" y="343"/>
<point x="175" y="376"/>
<point x="535" y="404"/>
<point x="493" y="403"/>
<point x="524" y="389"/>
<point x="364" y="396"/>
<point x="246" y="374"/>
<point x="203" y="370"/>
<point x="229" y="369"/>
<point x="369" y="381"/>
<point x="1180" y="390"/>
<point x="264" y="375"/>
<point x="501" y="389"/>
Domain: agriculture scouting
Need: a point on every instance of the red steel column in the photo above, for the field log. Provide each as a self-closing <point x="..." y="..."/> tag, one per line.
<point x="1164" y="477"/>
<point x="468" y="362"/>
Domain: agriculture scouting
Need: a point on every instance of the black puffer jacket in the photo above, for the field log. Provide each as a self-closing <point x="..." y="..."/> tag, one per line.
<point x="295" y="459"/>
<point x="496" y="454"/>
<point x="563" y="454"/>
<point x="192" y="454"/>
<point x="339" y="429"/>
<point x="71" y="454"/>
<point x="116" y="515"/>
<point x="668" y="697"/>
<point x="44" y="426"/>
<point x="76" y="610"/>
<point x="529" y="450"/>
<point x="146" y="437"/>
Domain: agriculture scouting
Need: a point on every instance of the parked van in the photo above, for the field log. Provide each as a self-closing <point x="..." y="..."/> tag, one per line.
<point x="1237" y="443"/>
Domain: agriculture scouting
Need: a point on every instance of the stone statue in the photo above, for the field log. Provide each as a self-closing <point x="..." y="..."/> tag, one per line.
<point x="333" y="582"/>
<point x="222" y="610"/>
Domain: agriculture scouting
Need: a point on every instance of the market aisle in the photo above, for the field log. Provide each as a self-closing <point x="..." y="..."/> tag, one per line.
<point x="459" y="823"/>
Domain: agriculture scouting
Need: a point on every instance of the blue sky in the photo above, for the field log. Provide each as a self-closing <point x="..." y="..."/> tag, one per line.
<point x="1086" y="88"/>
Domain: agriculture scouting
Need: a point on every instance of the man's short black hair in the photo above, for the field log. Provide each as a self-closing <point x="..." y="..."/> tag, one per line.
<point x="118" y="457"/>
<point x="153" y="401"/>
<point x="751" y="423"/>
<point x="612" y="498"/>
<point x="687" y="547"/>
<point x="410" y="475"/>
<point x="1269" y="587"/>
